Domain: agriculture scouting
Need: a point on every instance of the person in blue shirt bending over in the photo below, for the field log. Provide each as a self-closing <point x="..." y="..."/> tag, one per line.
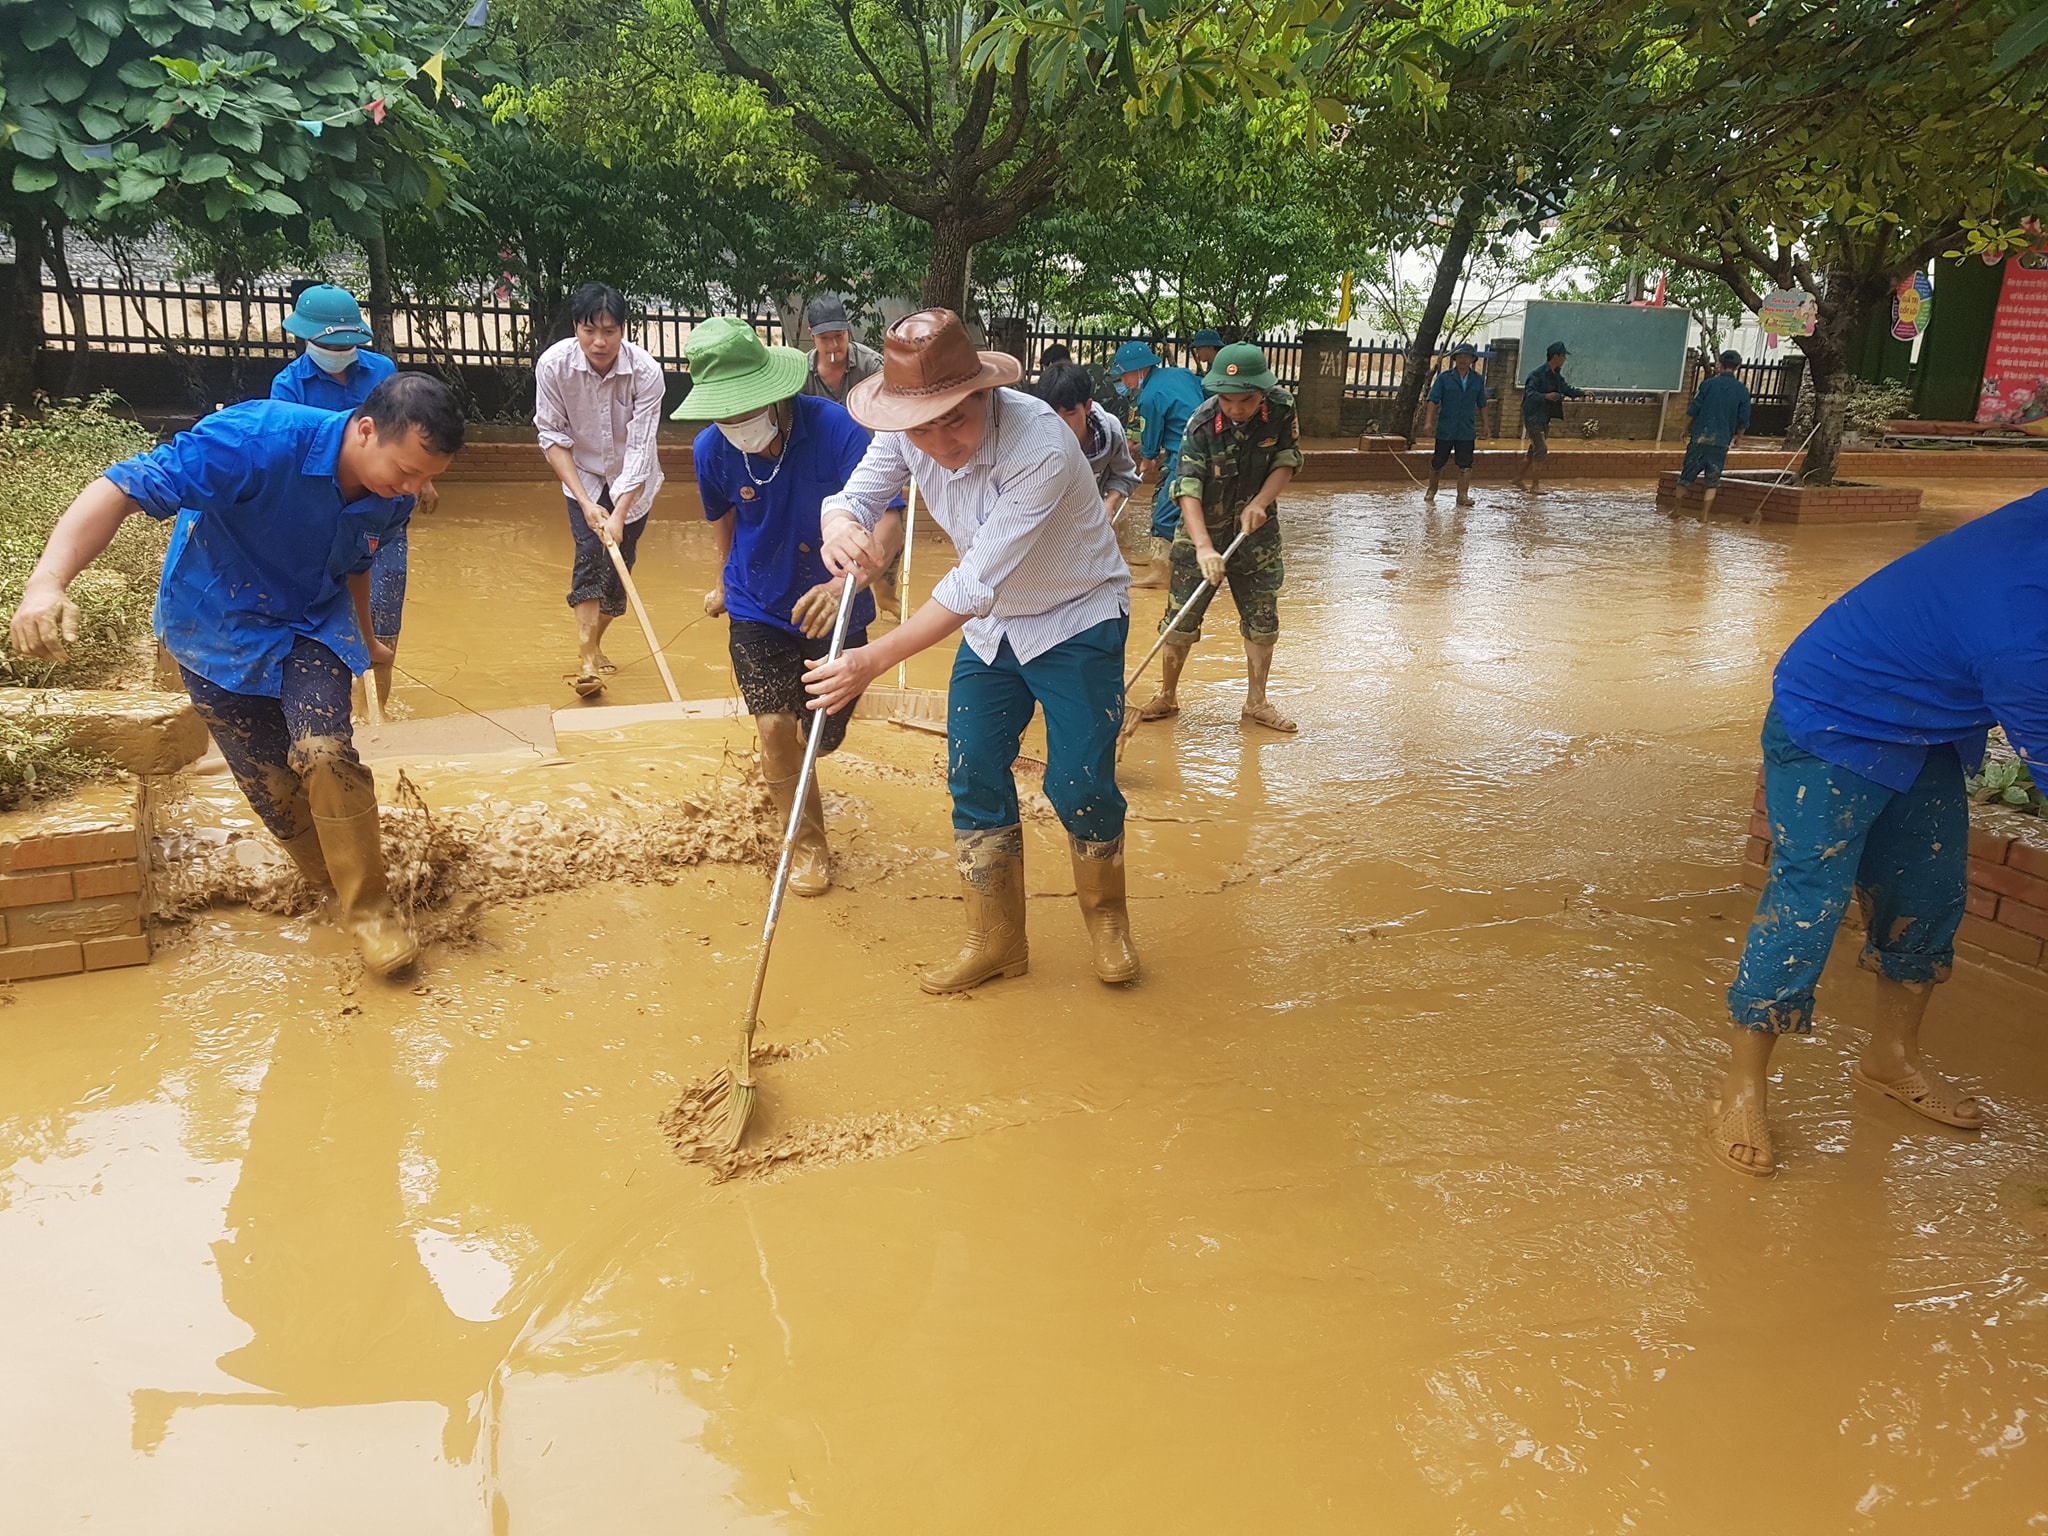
<point x="264" y="603"/>
<point x="1456" y="398"/>
<point x="764" y="468"/>
<point x="1720" y="414"/>
<point x="336" y="372"/>
<point x="1166" y="398"/>
<point x="1878" y="711"/>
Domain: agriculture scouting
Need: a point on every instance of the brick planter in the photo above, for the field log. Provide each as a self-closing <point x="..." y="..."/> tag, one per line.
<point x="71" y="887"/>
<point x="1741" y="497"/>
<point x="2007" y="914"/>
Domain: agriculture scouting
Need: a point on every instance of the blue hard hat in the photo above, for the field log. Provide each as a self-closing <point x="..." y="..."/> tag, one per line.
<point x="1133" y="355"/>
<point x="328" y="316"/>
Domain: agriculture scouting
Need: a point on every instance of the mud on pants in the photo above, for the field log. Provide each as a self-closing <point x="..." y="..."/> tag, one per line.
<point x="273" y="744"/>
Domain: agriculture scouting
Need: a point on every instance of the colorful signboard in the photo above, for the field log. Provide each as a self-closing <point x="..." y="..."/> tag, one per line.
<point x="1912" y="307"/>
<point x="1788" y="312"/>
<point x="2015" y="392"/>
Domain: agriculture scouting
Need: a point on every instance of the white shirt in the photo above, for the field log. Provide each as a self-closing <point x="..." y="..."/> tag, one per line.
<point x="607" y="422"/>
<point x="1038" y="560"/>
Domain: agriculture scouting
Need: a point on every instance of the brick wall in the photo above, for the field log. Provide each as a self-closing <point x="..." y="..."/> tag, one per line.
<point x="1797" y="503"/>
<point x="71" y="892"/>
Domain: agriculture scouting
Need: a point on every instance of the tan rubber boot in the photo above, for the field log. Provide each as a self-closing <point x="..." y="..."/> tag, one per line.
<point x="992" y="871"/>
<point x="782" y="762"/>
<point x="344" y="799"/>
<point x="1099" y="883"/>
<point x="305" y="852"/>
<point x="1159" y="569"/>
<point x="1464" y="489"/>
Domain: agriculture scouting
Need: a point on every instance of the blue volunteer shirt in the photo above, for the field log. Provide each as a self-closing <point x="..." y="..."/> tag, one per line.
<point x="304" y="382"/>
<point x="1937" y="647"/>
<point x="1458" y="403"/>
<point x="1168" y="397"/>
<point x="1719" y="410"/>
<point x="775" y="534"/>
<point x="264" y="541"/>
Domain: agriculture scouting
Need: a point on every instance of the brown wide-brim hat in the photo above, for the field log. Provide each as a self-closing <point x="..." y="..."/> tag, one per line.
<point x="928" y="367"/>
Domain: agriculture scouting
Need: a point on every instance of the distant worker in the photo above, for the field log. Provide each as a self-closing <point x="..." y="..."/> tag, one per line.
<point x="264" y="603"/>
<point x="1720" y="414"/>
<point x="1543" y="397"/>
<point x="837" y="362"/>
<point x="764" y="468"/>
<point x="1878" y="710"/>
<point x="1067" y="388"/>
<point x="597" y="405"/>
<point x="1456" y="398"/>
<point x="1166" y="398"/>
<point x="1043" y="597"/>
<point x="1242" y="448"/>
<point x="1059" y="352"/>
<point x="1205" y="344"/>
<point x="336" y="372"/>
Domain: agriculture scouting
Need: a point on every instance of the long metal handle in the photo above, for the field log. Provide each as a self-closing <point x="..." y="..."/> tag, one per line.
<point x="1193" y="598"/>
<point x="796" y="815"/>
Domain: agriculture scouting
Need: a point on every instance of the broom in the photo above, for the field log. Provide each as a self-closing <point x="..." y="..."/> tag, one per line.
<point x="715" y="1114"/>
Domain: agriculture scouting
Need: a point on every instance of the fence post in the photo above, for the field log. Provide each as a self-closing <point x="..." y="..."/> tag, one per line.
<point x="1319" y="404"/>
<point x="1503" y="381"/>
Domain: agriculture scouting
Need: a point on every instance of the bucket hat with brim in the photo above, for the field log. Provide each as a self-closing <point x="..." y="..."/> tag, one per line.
<point x="1240" y="369"/>
<point x="328" y="317"/>
<point x="1133" y="355"/>
<point x="734" y="373"/>
<point x="928" y="366"/>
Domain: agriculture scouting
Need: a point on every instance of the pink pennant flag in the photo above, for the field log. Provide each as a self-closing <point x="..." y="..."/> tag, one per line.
<point x="376" y="110"/>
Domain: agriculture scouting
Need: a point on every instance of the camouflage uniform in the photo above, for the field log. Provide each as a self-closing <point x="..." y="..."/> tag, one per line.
<point x="1225" y="464"/>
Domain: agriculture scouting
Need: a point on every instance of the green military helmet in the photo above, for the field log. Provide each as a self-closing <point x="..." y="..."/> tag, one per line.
<point x="1240" y="369"/>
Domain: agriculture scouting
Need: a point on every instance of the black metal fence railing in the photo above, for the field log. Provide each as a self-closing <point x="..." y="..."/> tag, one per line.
<point x="1766" y="382"/>
<point x="1372" y="368"/>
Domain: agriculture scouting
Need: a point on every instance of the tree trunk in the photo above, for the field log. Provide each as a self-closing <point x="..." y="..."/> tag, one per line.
<point x="21" y="328"/>
<point x="378" y="256"/>
<point x="945" y="283"/>
<point x="1450" y="267"/>
<point x="67" y="289"/>
<point x="1844" y="307"/>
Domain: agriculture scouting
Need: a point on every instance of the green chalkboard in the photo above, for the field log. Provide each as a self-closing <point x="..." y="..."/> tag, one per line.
<point x="1613" y="346"/>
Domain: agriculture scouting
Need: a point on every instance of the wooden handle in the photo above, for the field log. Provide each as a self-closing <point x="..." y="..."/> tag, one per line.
<point x="640" y="613"/>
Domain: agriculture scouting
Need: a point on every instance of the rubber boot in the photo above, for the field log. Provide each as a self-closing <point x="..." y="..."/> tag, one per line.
<point x="810" y="861"/>
<point x="1159" y="568"/>
<point x="1432" y="485"/>
<point x="305" y="852"/>
<point x="1099" y="883"/>
<point x="992" y="872"/>
<point x="344" y="800"/>
<point x="1464" y="489"/>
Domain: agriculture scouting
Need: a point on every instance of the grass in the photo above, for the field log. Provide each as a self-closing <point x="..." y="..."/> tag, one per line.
<point x="45" y="460"/>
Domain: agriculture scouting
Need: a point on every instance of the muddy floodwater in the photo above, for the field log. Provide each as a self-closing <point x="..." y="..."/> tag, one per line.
<point x="1379" y="1204"/>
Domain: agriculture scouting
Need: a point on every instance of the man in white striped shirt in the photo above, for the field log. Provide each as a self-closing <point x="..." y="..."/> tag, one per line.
<point x="1043" y="596"/>
<point x="597" y="404"/>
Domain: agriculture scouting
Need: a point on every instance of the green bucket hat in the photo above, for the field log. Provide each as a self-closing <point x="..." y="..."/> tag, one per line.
<point x="734" y="373"/>
<point x="1240" y="369"/>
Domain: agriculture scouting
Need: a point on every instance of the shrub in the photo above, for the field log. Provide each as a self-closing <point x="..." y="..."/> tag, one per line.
<point x="1872" y="408"/>
<point x="2006" y="781"/>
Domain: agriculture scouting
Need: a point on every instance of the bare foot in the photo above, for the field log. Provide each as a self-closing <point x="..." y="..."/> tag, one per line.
<point x="1161" y="706"/>
<point x="1263" y="713"/>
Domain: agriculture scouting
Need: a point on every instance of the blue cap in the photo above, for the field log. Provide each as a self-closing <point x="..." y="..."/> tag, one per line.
<point x="1206" y="337"/>
<point x="328" y="316"/>
<point x="1133" y="355"/>
<point x="1464" y="349"/>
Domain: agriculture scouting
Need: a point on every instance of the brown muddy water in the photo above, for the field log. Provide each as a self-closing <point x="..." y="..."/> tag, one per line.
<point x="1379" y="1204"/>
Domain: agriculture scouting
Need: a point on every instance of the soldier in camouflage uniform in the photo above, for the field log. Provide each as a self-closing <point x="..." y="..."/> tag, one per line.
<point x="1241" y="448"/>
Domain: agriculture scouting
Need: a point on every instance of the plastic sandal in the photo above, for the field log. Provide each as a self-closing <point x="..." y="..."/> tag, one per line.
<point x="1925" y="1096"/>
<point x="1263" y="713"/>
<point x="1742" y="1126"/>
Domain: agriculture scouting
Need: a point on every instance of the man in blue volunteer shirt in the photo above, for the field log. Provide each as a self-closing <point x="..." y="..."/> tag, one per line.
<point x="1166" y="398"/>
<point x="265" y="602"/>
<point x="1720" y="414"/>
<point x="764" y="468"/>
<point x="1456" y="397"/>
<point x="336" y="372"/>
<point x="1878" y="710"/>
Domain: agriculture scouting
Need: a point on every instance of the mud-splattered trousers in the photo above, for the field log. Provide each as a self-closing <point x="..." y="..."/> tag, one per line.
<point x="272" y="742"/>
<point x="387" y="587"/>
<point x="593" y="578"/>
<point x="1836" y="834"/>
<point x="1079" y="684"/>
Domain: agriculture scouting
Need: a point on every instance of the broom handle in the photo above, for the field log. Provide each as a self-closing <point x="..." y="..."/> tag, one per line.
<point x="796" y="815"/>
<point x="1193" y="598"/>
<point x="640" y="613"/>
<point x="903" y="591"/>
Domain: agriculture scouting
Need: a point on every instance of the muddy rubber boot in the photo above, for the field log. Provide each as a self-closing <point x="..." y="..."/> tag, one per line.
<point x="1099" y="883"/>
<point x="1464" y="490"/>
<point x="992" y="872"/>
<point x="810" y="861"/>
<point x="1159" y="568"/>
<point x="305" y="852"/>
<point x="344" y="799"/>
<point x="1432" y="487"/>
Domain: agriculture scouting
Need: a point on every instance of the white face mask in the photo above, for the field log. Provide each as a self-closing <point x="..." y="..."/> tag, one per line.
<point x="332" y="359"/>
<point x="756" y="434"/>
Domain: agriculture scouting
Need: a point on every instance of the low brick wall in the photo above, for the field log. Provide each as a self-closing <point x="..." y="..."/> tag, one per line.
<point x="1842" y="503"/>
<point x="71" y="889"/>
<point x="2007" y="912"/>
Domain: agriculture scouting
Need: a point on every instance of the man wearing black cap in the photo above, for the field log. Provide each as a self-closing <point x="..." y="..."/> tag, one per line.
<point x="1543" y="397"/>
<point x="1719" y="414"/>
<point x="838" y="362"/>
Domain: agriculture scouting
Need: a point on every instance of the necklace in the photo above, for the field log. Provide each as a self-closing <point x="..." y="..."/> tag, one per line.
<point x="747" y="459"/>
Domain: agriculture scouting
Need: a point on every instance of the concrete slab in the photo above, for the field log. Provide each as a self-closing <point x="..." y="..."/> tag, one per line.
<point x="612" y="717"/>
<point x="525" y="732"/>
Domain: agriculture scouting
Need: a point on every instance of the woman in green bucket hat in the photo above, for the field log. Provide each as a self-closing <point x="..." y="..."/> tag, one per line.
<point x="764" y="467"/>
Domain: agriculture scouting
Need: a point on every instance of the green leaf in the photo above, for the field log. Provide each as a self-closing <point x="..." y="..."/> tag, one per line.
<point x="99" y="124"/>
<point x="157" y="32"/>
<point x="136" y="187"/>
<point x="104" y="15"/>
<point x="33" y="144"/>
<point x="33" y="178"/>
<point x="2022" y="39"/>
<point x="66" y="82"/>
<point x="143" y="74"/>
<point x="51" y="25"/>
<point x="182" y="69"/>
<point x="236" y="134"/>
<point x="90" y="45"/>
<point x="2016" y="796"/>
<point x="272" y="201"/>
<point x="198" y="12"/>
<point x="204" y="166"/>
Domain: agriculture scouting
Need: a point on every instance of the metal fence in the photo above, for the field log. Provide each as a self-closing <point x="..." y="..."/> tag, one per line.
<point x="1372" y="369"/>
<point x="1767" y="382"/>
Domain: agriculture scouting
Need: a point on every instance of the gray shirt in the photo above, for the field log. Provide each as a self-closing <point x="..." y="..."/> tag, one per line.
<point x="1039" y="562"/>
<point x="861" y="362"/>
<point x="1109" y="453"/>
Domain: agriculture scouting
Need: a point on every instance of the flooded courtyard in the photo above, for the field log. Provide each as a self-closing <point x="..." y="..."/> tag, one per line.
<point x="1380" y="1202"/>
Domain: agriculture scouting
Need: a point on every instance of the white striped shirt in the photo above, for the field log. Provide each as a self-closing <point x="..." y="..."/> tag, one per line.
<point x="1038" y="560"/>
<point x="606" y="421"/>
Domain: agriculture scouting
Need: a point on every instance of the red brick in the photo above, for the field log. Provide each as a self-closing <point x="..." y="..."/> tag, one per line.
<point x="35" y="890"/>
<point x="2029" y="859"/>
<point x="106" y="880"/>
<point x="1757" y="851"/>
<point x="30" y="960"/>
<point x="106" y="954"/>
<point x="2000" y="941"/>
<point x="2007" y="881"/>
<point x="1760" y="826"/>
<point x="66" y="848"/>
<point x="1992" y="850"/>
<point x="1981" y="903"/>
<point x="1758" y="805"/>
<point x="2027" y="919"/>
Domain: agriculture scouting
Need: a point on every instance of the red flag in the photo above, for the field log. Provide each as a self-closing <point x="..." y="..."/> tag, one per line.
<point x="376" y="110"/>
